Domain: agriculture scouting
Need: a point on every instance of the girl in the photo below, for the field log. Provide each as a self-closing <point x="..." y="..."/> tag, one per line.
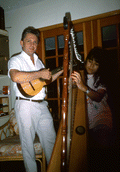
<point x="99" y="113"/>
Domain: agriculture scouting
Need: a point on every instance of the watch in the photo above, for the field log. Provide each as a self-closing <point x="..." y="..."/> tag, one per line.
<point x="88" y="91"/>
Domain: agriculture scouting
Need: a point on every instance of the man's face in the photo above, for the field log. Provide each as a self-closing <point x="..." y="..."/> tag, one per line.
<point x="29" y="44"/>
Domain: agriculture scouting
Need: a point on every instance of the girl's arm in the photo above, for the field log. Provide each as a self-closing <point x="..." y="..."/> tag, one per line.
<point x="96" y="95"/>
<point x="92" y="94"/>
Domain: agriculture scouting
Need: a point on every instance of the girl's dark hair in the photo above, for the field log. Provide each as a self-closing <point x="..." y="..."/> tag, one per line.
<point x="31" y="29"/>
<point x="97" y="54"/>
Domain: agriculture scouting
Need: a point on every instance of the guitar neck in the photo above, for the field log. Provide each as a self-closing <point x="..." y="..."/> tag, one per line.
<point x="56" y="70"/>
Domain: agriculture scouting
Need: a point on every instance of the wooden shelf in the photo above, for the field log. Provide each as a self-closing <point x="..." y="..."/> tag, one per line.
<point x="4" y="114"/>
<point x="3" y="33"/>
<point x="3" y="95"/>
<point x="4" y="105"/>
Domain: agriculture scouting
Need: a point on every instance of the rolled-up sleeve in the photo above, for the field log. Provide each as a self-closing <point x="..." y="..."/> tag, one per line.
<point x="13" y="63"/>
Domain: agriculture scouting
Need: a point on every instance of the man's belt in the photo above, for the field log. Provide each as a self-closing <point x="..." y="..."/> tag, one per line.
<point x="20" y="98"/>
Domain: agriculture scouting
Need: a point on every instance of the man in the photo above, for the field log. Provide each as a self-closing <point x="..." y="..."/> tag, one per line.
<point x="32" y="114"/>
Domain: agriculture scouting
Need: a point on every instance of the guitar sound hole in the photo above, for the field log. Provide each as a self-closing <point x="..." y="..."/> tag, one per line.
<point x="32" y="86"/>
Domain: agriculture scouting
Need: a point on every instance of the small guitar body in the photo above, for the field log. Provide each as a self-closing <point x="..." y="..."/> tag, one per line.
<point x="32" y="88"/>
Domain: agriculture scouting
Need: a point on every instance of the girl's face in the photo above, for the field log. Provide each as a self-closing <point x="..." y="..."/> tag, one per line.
<point x="91" y="66"/>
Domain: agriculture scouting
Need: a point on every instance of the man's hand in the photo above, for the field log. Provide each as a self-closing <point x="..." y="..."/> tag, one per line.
<point x="45" y="74"/>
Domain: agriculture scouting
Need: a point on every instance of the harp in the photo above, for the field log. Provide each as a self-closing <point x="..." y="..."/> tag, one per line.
<point x="70" y="150"/>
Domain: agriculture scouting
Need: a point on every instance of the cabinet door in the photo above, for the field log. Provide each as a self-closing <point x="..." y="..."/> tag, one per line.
<point x="4" y="106"/>
<point x="4" y="54"/>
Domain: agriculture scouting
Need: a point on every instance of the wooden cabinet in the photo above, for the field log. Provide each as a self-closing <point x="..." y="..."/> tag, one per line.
<point x="4" y="51"/>
<point x="4" y="115"/>
<point x="4" y="105"/>
<point x="4" y="80"/>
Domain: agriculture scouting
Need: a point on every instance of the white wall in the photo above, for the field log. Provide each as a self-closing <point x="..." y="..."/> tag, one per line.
<point x="51" y="12"/>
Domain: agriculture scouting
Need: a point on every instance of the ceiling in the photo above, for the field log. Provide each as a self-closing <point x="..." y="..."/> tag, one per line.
<point x="9" y="5"/>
